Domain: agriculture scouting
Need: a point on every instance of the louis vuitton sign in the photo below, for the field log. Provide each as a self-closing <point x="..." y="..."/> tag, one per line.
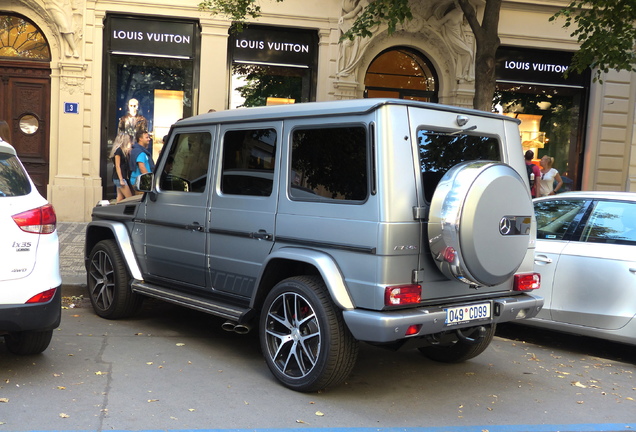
<point x="151" y="37"/>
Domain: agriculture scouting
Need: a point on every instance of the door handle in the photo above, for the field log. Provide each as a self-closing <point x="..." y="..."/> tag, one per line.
<point x="542" y="259"/>
<point x="261" y="235"/>
<point x="196" y="226"/>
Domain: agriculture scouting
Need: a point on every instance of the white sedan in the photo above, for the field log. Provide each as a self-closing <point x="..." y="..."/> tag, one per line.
<point x="586" y="255"/>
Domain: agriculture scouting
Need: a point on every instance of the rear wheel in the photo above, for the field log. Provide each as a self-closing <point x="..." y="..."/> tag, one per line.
<point x="28" y="342"/>
<point x="304" y="339"/>
<point x="460" y="351"/>
<point x="109" y="283"/>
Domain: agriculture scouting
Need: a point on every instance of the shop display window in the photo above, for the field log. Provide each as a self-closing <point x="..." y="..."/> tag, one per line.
<point x="551" y="123"/>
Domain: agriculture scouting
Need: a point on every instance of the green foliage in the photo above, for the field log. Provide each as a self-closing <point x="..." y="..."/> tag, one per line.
<point x="236" y="10"/>
<point x="606" y="31"/>
<point x="391" y="12"/>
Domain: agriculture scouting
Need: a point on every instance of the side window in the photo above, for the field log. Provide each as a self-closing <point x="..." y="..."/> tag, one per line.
<point x="611" y="222"/>
<point x="13" y="179"/>
<point x="248" y="162"/>
<point x="186" y="167"/>
<point x="555" y="216"/>
<point x="440" y="151"/>
<point x="330" y="163"/>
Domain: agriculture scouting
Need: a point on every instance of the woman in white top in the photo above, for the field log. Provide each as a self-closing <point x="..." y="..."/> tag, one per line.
<point x="548" y="176"/>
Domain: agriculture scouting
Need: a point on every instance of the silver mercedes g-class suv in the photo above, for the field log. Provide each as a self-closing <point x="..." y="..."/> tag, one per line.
<point x="392" y="222"/>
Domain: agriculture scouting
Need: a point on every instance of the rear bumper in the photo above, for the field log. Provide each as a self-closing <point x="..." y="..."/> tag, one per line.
<point x="391" y="326"/>
<point x="25" y="317"/>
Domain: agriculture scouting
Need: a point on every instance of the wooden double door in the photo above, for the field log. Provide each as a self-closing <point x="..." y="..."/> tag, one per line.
<point x="25" y="101"/>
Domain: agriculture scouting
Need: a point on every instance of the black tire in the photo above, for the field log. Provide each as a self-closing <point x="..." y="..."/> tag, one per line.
<point x="459" y="351"/>
<point x="109" y="283"/>
<point x="28" y="342"/>
<point x="310" y="353"/>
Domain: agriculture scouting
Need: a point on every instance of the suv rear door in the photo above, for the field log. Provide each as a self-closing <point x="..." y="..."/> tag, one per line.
<point x="243" y="206"/>
<point x="482" y="254"/>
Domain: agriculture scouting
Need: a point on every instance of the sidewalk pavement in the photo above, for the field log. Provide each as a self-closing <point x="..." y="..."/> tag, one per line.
<point x="71" y="235"/>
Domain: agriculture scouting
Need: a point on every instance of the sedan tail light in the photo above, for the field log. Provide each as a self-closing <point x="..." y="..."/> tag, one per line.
<point x="41" y="220"/>
<point x="527" y="282"/>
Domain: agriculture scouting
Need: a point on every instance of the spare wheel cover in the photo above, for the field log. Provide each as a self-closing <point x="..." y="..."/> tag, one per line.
<point x="479" y="222"/>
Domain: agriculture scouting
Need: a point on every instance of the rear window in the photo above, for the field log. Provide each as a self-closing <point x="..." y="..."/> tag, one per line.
<point x="440" y="151"/>
<point x="13" y="179"/>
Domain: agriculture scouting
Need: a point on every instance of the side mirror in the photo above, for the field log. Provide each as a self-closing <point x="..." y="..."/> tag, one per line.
<point x="144" y="182"/>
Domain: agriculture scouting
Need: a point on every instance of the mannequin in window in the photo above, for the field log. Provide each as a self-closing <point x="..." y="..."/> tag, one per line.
<point x="132" y="122"/>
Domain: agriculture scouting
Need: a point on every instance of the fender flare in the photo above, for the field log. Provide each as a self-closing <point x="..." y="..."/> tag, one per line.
<point x="325" y="264"/>
<point x="121" y="236"/>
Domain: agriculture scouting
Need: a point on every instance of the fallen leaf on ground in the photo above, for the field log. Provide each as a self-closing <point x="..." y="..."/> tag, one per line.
<point x="153" y="400"/>
<point x="64" y="415"/>
<point x="578" y="384"/>
<point x="180" y="344"/>
<point x="61" y="388"/>
<point x="300" y="421"/>
<point x="319" y="413"/>
<point x="4" y="400"/>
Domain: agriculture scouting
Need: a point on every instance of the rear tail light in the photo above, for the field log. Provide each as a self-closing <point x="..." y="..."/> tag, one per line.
<point x="43" y="297"/>
<point x="402" y="295"/>
<point x="527" y="282"/>
<point x="41" y="220"/>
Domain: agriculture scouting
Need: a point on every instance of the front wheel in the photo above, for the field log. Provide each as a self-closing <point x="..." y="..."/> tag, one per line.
<point x="460" y="351"/>
<point x="304" y="339"/>
<point x="109" y="284"/>
<point x="28" y="342"/>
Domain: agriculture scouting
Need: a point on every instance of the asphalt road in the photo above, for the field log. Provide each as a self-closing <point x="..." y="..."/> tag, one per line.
<point x="175" y="369"/>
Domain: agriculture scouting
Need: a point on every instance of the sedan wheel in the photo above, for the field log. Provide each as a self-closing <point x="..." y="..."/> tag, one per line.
<point x="303" y="336"/>
<point x="109" y="283"/>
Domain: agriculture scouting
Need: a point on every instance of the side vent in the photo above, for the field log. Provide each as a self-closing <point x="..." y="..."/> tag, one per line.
<point x="129" y="210"/>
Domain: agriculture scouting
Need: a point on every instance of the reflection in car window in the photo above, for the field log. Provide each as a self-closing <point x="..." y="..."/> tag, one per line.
<point x="611" y="222"/>
<point x="248" y="162"/>
<point x="13" y="179"/>
<point x="440" y="151"/>
<point x="555" y="216"/>
<point x="330" y="163"/>
<point x="186" y="166"/>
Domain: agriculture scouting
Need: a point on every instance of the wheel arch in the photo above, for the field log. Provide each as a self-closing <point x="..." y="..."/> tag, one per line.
<point x="97" y="231"/>
<point x="288" y="262"/>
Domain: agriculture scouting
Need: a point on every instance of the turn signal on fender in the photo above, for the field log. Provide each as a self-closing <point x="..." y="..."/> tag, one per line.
<point x="402" y="295"/>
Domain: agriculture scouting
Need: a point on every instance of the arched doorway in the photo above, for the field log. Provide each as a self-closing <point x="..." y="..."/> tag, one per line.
<point x="25" y="93"/>
<point x="403" y="73"/>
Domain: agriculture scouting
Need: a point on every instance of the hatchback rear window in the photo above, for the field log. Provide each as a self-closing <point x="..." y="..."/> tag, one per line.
<point x="13" y="179"/>
<point x="440" y="151"/>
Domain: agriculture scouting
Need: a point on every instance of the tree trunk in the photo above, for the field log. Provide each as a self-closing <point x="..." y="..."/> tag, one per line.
<point x="487" y="42"/>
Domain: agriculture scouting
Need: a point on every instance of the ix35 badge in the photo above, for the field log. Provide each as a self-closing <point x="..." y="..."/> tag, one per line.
<point x="22" y="246"/>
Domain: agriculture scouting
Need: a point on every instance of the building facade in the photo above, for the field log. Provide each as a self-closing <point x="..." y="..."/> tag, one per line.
<point x="78" y="75"/>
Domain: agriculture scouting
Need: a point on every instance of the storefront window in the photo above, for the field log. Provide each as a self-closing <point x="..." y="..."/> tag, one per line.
<point x="272" y="66"/>
<point x="532" y="86"/>
<point x="150" y="68"/>
<point x="401" y="73"/>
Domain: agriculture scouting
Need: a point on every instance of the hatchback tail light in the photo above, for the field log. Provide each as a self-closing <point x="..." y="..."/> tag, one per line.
<point x="527" y="282"/>
<point x="42" y="297"/>
<point x="41" y="220"/>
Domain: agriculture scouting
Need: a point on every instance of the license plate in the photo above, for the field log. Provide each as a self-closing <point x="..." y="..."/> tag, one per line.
<point x="468" y="313"/>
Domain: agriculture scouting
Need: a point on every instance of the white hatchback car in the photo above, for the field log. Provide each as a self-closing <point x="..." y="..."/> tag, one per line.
<point x="30" y="281"/>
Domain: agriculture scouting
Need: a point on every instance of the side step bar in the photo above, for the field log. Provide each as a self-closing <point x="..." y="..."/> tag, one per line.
<point x="220" y="309"/>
